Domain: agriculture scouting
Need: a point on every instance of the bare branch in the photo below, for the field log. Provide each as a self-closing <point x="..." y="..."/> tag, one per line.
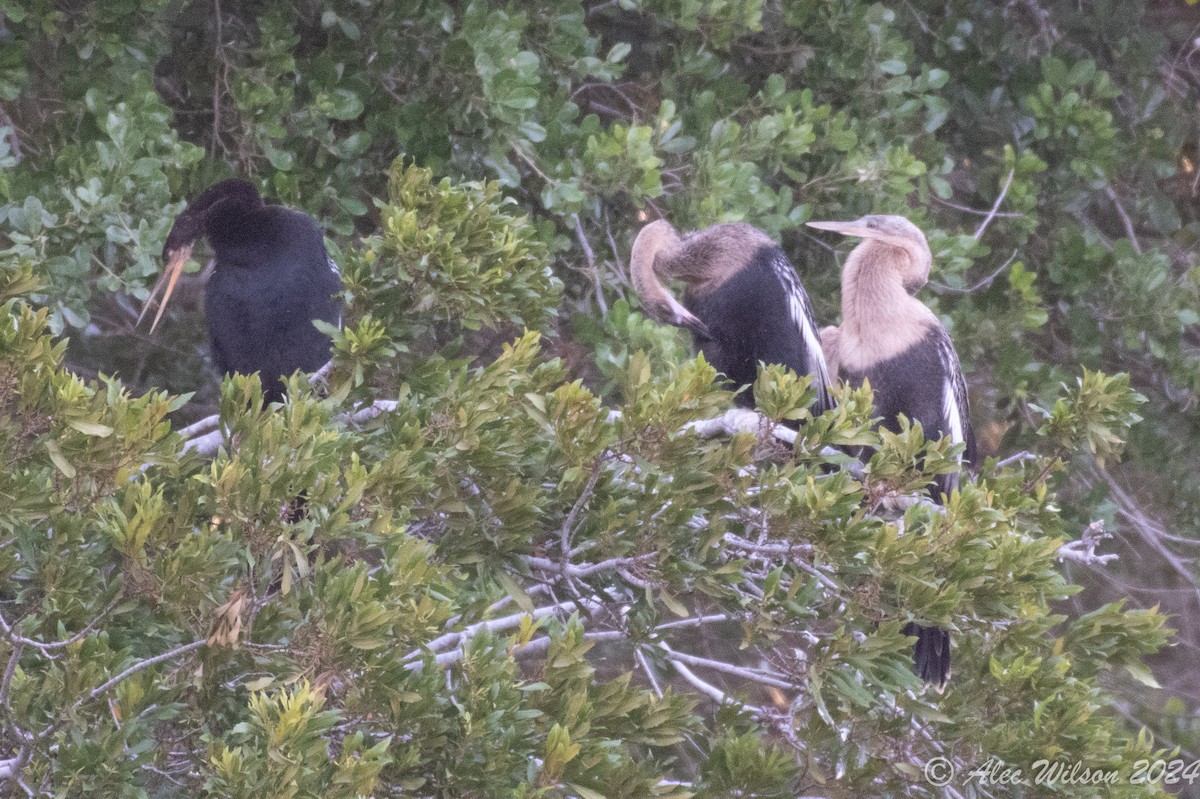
<point x="580" y="570"/>
<point x="568" y="528"/>
<point x="132" y="670"/>
<point x="1125" y="220"/>
<point x="44" y="647"/>
<point x="207" y="424"/>
<point x="773" y="679"/>
<point x="1020" y="457"/>
<point x="996" y="205"/>
<point x="978" y="212"/>
<point x="460" y="639"/>
<point x="1084" y="550"/>
<point x="942" y="288"/>
<point x="209" y="443"/>
<point x="586" y="246"/>
<point x="713" y="692"/>
<point x="744" y="420"/>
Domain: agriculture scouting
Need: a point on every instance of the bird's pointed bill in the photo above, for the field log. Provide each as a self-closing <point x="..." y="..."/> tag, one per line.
<point x="166" y="284"/>
<point x="858" y="228"/>
<point x="682" y="317"/>
<point x="855" y="228"/>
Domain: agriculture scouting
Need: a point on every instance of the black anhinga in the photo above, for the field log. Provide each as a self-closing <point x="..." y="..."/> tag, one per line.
<point x="744" y="302"/>
<point x="271" y="279"/>
<point x="890" y="338"/>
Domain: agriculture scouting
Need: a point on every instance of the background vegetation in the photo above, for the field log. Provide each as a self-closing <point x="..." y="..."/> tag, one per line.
<point x="500" y="586"/>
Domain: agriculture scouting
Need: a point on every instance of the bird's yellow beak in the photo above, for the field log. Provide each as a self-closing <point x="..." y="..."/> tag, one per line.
<point x="861" y="229"/>
<point x="856" y="228"/>
<point x="175" y="261"/>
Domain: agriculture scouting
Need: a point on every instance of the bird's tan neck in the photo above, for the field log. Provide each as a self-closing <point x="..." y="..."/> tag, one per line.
<point x="706" y="259"/>
<point x="880" y="319"/>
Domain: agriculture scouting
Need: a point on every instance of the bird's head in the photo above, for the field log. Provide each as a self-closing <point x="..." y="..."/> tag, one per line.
<point x="228" y="196"/>
<point x="646" y="271"/>
<point x="897" y="234"/>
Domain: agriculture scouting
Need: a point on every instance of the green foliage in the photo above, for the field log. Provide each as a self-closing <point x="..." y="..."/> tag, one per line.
<point x="485" y="561"/>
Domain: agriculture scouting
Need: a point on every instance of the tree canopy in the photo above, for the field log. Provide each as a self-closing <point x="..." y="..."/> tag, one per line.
<point x="536" y="557"/>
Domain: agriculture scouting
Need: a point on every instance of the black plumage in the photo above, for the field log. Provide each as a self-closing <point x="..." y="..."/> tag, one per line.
<point x="891" y="339"/>
<point x="272" y="278"/>
<point x="743" y="301"/>
<point x="901" y="385"/>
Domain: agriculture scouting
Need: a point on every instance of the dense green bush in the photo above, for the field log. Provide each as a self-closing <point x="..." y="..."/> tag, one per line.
<point x="489" y="551"/>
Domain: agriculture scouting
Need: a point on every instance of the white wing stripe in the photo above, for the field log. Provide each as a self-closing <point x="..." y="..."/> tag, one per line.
<point x="954" y="399"/>
<point x="802" y="317"/>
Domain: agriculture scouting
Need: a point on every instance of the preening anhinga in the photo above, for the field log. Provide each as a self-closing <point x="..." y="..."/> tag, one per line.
<point x="743" y="303"/>
<point x="889" y="337"/>
<point x="271" y="278"/>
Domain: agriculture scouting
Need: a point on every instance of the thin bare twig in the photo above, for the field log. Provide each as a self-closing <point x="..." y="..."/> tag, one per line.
<point x="129" y="672"/>
<point x="586" y="246"/>
<point x="979" y="212"/>
<point x="1125" y="220"/>
<point x="942" y="288"/>
<point x="568" y="528"/>
<point x="995" y="206"/>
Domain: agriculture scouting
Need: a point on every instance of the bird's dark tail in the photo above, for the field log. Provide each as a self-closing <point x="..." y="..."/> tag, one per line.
<point x="931" y="654"/>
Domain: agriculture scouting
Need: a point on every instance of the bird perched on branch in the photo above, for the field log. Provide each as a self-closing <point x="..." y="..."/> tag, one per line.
<point x="744" y="302"/>
<point x="892" y="339"/>
<point x="272" y="278"/>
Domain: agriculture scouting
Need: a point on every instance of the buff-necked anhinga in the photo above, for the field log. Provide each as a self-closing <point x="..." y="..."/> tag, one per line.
<point x="890" y="338"/>
<point x="272" y="277"/>
<point x="743" y="301"/>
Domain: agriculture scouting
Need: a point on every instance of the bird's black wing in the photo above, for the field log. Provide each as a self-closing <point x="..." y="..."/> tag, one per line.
<point x="801" y="313"/>
<point x="956" y="409"/>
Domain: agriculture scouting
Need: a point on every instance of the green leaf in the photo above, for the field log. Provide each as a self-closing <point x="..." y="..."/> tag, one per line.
<point x="59" y="460"/>
<point x="91" y="428"/>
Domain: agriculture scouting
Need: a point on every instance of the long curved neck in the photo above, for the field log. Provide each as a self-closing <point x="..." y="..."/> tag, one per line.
<point x="880" y="318"/>
<point x="652" y="244"/>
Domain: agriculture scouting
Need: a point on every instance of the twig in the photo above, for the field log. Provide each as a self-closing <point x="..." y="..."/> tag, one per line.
<point x="10" y="633"/>
<point x="744" y="420"/>
<point x="612" y="243"/>
<point x="979" y="212"/>
<point x="1020" y="457"/>
<point x="942" y="288"/>
<point x="713" y="692"/>
<point x="650" y="674"/>
<point x="129" y="672"/>
<point x="460" y="639"/>
<point x="580" y="570"/>
<point x="753" y="675"/>
<point x="996" y="205"/>
<point x="209" y="443"/>
<point x="1125" y="220"/>
<point x="568" y="528"/>
<point x="321" y="375"/>
<point x="591" y="261"/>
<point x="219" y="58"/>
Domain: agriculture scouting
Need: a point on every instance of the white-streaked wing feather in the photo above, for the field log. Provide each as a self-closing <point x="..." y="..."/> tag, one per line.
<point x="333" y="267"/>
<point x="802" y="316"/>
<point x="955" y="408"/>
